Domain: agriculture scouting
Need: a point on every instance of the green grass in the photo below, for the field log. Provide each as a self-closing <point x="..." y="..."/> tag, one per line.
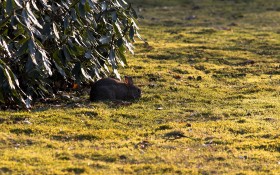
<point x="210" y="78"/>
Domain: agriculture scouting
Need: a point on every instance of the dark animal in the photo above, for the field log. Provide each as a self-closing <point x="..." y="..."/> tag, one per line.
<point x="112" y="89"/>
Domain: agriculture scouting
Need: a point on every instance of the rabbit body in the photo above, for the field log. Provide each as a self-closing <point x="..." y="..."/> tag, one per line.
<point x="112" y="89"/>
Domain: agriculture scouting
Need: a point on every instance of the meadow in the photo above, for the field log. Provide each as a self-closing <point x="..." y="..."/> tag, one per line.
<point x="210" y="77"/>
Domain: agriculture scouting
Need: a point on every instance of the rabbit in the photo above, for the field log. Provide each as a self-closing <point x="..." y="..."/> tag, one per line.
<point x="112" y="89"/>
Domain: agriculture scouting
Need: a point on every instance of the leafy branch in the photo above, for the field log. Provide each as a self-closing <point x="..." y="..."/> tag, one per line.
<point x="47" y="41"/>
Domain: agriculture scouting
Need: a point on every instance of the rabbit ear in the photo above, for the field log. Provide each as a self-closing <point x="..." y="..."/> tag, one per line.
<point x="128" y="80"/>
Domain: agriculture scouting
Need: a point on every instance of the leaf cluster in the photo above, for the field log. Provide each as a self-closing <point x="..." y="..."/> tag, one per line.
<point x="45" y="41"/>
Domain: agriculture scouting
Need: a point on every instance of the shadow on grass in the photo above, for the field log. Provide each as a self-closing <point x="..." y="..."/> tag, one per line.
<point x="79" y="137"/>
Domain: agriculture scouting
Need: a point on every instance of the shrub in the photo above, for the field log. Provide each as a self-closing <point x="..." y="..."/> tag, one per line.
<point x="45" y="41"/>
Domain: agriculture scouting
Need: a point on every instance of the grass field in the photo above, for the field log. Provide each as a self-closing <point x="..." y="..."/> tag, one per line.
<point x="210" y="77"/>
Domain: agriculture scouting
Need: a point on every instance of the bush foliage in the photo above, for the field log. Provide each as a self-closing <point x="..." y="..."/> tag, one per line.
<point x="43" y="41"/>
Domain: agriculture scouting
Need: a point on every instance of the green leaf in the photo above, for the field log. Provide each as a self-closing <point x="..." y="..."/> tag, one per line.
<point x="86" y="75"/>
<point x="128" y="45"/>
<point x="42" y="56"/>
<point x="65" y="23"/>
<point x="118" y="4"/>
<point x="77" y="50"/>
<point x="18" y="3"/>
<point x="105" y="39"/>
<point x="104" y="6"/>
<point x="131" y="33"/>
<point x="114" y="16"/>
<point x="79" y="40"/>
<point x="121" y="55"/>
<point x="8" y="76"/>
<point x="124" y="2"/>
<point x="32" y="17"/>
<point x="83" y="2"/>
<point x="94" y="23"/>
<point x="116" y="72"/>
<point x="28" y="101"/>
<point x="91" y="37"/>
<point x="73" y="14"/>
<point x="120" y="42"/>
<point x="117" y="29"/>
<point x="88" y="54"/>
<point x="87" y="7"/>
<point x="23" y="49"/>
<point x="59" y="62"/>
<point x="65" y="4"/>
<point x="91" y="3"/>
<point x="55" y="31"/>
<point x="4" y="44"/>
<point x="32" y="51"/>
<point x="14" y="22"/>
<point x="60" y="70"/>
<point x="26" y="19"/>
<point x="47" y="29"/>
<point x="133" y="12"/>
<point x="45" y="4"/>
<point x="82" y="10"/>
<point x="29" y="66"/>
<point x="139" y="36"/>
<point x="66" y="52"/>
<point x="34" y="5"/>
<point x="9" y="6"/>
<point x="112" y="56"/>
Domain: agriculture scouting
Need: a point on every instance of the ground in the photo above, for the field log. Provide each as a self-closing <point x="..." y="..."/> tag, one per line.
<point x="210" y="77"/>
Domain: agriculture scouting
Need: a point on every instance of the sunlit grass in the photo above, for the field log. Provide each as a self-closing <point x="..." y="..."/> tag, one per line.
<point x="210" y="104"/>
